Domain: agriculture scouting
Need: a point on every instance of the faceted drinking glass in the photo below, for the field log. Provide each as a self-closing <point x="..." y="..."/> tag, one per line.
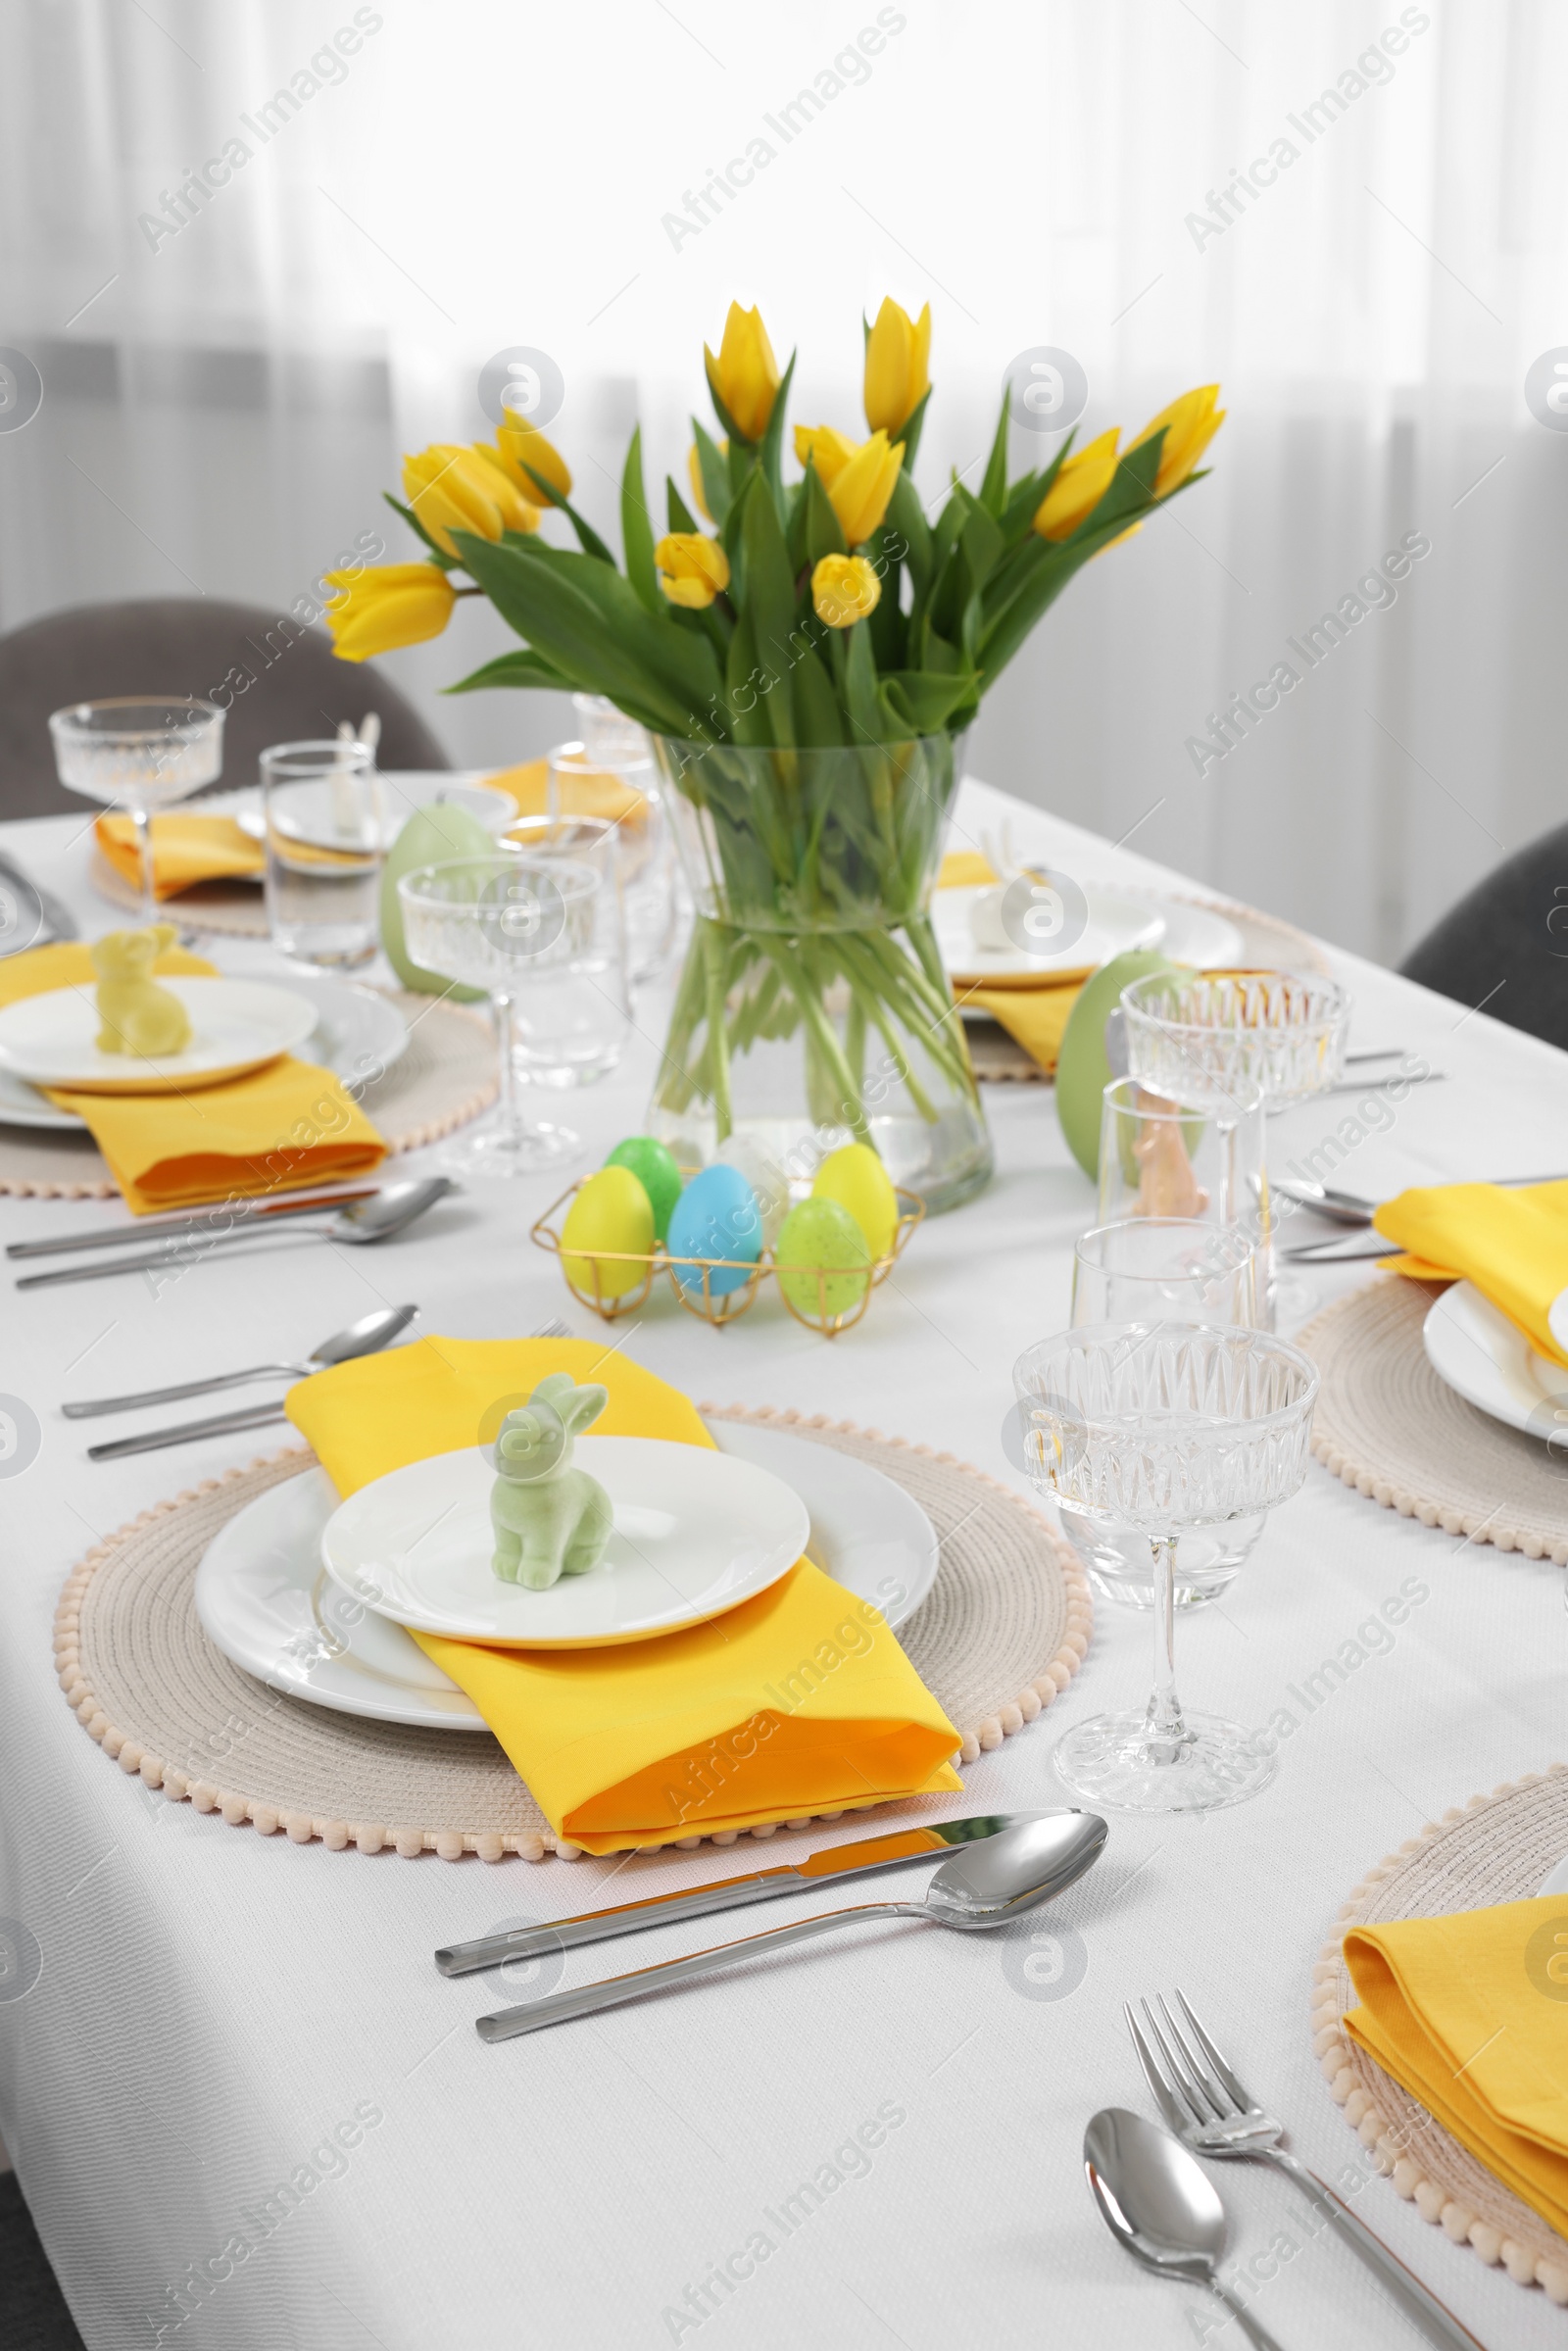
<point x="1164" y="1426"/>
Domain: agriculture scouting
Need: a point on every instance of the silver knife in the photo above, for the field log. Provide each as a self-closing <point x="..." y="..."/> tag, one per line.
<point x="891" y="1851"/>
<point x="153" y="1441"/>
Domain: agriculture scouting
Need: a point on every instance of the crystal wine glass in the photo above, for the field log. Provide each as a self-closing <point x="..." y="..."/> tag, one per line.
<point x="1164" y="1426"/>
<point x="138" y="751"/>
<point x="508" y="923"/>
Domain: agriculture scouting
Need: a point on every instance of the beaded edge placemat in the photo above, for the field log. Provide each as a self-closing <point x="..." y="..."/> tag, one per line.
<point x="1497" y="1848"/>
<point x="165" y="1704"/>
<point x="444" y="1076"/>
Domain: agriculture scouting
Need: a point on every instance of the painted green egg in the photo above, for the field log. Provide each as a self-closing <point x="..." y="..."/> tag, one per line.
<point x="819" y="1259"/>
<point x="1083" y="1071"/>
<point x="440" y="835"/>
<point x="656" y="1169"/>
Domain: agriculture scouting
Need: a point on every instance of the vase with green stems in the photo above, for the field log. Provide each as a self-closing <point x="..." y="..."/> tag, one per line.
<point x="813" y="1008"/>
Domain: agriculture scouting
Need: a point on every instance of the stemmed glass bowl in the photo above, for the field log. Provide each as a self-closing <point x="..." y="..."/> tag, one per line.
<point x="138" y="751"/>
<point x="1164" y="1425"/>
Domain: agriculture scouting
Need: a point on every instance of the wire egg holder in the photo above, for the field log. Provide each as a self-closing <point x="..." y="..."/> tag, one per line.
<point x="721" y="1306"/>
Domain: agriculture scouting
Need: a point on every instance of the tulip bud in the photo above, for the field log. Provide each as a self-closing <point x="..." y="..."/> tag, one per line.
<point x="897" y="373"/>
<point x="453" y="488"/>
<point x="845" y="589"/>
<point x="858" y="481"/>
<point x="691" y="570"/>
<point x="523" y="447"/>
<point x="1081" y="483"/>
<point x="377" y="612"/>
<point x="1191" y="424"/>
<point x="745" y="375"/>
<point x="825" y="447"/>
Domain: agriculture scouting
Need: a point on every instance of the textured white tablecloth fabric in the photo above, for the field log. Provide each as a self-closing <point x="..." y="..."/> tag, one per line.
<point x="248" y="2113"/>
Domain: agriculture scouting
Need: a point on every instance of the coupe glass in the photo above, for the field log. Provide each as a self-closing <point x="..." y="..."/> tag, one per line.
<point x="325" y="832"/>
<point x="510" y="924"/>
<point x="570" y="1028"/>
<point x="1163" y="1426"/>
<point x="613" y="764"/>
<point x="138" y="751"/>
<point x="1145" y="1270"/>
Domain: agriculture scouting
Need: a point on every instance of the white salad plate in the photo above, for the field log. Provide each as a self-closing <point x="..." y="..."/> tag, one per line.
<point x="313" y="819"/>
<point x="357" y="1035"/>
<point x="265" y="1601"/>
<point x="695" y="1533"/>
<point x="51" y="1040"/>
<point x="1474" y="1347"/>
<point x="1120" y="920"/>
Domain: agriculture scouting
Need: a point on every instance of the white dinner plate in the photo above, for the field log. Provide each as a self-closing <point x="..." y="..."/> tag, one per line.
<point x="695" y="1534"/>
<point x="1557" y="1881"/>
<point x="357" y="1035"/>
<point x="265" y="1600"/>
<point x="1120" y="920"/>
<point x="312" y="818"/>
<point x="51" y="1040"/>
<point x="1473" y="1346"/>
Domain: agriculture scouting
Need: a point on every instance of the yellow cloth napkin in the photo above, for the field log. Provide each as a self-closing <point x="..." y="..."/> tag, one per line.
<point x="1513" y="1244"/>
<point x="1033" y="1010"/>
<point x="594" y="791"/>
<point x="186" y="849"/>
<point x="1468" y="2014"/>
<point x="272" y="1130"/>
<point x="798" y="1700"/>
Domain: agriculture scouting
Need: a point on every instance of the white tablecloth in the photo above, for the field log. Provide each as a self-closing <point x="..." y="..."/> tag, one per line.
<point x="239" y="2090"/>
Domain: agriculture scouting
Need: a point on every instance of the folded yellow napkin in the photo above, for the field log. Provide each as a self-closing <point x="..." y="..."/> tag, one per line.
<point x="589" y="792"/>
<point x="272" y="1130"/>
<point x="1513" y="1244"/>
<point x="186" y="849"/>
<point x="798" y="1700"/>
<point x="1468" y="2014"/>
<point x="1033" y="1008"/>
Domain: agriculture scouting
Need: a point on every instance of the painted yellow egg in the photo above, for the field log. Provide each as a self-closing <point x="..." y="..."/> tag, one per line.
<point x="612" y="1212"/>
<point x="857" y="1180"/>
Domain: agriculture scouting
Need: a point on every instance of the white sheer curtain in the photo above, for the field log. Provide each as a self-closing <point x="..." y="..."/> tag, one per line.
<point x="1351" y="215"/>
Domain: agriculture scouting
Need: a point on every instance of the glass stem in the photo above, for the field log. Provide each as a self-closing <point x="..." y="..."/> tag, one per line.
<point x="142" y="818"/>
<point x="509" y="1100"/>
<point x="1165" y="1730"/>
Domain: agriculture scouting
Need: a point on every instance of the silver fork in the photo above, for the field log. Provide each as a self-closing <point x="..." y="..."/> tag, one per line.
<point x="1207" y="2108"/>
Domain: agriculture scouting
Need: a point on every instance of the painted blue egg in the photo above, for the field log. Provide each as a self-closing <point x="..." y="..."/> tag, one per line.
<point x="716" y="1216"/>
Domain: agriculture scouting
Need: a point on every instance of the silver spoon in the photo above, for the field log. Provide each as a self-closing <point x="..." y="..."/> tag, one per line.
<point x="366" y="1336"/>
<point x="1159" y="2206"/>
<point x="390" y="1212"/>
<point x="985" y="1884"/>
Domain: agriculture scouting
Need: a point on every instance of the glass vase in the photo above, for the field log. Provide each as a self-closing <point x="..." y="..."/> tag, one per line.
<point x="813" y="1008"/>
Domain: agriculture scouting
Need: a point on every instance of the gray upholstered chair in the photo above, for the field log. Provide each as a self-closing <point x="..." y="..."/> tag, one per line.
<point x="277" y="681"/>
<point x="1506" y="944"/>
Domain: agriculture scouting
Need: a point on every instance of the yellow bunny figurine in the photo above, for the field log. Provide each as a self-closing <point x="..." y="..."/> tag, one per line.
<point x="138" y="1016"/>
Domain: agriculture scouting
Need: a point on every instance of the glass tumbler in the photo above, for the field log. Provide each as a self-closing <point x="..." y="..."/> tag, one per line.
<point x="610" y="773"/>
<point x="512" y="924"/>
<point x="139" y="752"/>
<point x="1141" y="1271"/>
<point x="325" y="836"/>
<point x="1162" y="1427"/>
<point x="570" y="1028"/>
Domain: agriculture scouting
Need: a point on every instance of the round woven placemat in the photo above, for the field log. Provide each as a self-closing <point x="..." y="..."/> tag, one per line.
<point x="1389" y="1426"/>
<point x="1003" y="1630"/>
<point x="1497" y="1848"/>
<point x="444" y="1076"/>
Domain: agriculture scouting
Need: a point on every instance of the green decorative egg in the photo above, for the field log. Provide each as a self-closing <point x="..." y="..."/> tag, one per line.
<point x="438" y="835"/>
<point x="1083" y="1071"/>
<point x="820" y="1234"/>
<point x="656" y="1170"/>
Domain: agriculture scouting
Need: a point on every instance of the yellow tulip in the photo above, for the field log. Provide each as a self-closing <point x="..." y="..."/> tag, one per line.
<point x="1078" y="488"/>
<point x="694" y="466"/>
<point x="897" y="376"/>
<point x="376" y="612"/>
<point x="454" y="488"/>
<point x="845" y="589"/>
<point x="1192" y="424"/>
<point x="863" y="483"/>
<point x="827" y="448"/>
<point x="524" y="445"/>
<point x="691" y="570"/>
<point x="745" y="375"/>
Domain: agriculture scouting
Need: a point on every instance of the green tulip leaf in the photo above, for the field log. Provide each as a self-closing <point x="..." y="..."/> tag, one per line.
<point x="637" y="531"/>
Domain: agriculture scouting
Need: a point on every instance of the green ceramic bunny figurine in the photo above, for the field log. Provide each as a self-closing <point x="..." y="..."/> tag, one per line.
<point x="550" y="1520"/>
<point x="137" y="1016"/>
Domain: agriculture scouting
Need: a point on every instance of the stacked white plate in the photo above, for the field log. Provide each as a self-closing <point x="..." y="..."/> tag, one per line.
<point x="1487" y="1360"/>
<point x="316" y="1597"/>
